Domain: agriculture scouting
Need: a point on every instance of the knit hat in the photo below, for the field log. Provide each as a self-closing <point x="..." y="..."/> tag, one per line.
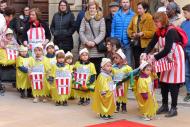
<point x="56" y="48"/>
<point x="60" y="51"/>
<point x="39" y="45"/>
<point x="22" y="48"/>
<point x="143" y="64"/>
<point x="105" y="61"/>
<point x="83" y="50"/>
<point x="50" y="44"/>
<point x="121" y="54"/>
<point x="9" y="31"/>
<point x="68" y="54"/>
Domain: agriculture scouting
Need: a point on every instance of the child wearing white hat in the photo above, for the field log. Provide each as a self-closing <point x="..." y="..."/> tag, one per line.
<point x="120" y="69"/>
<point x="38" y="74"/>
<point x="8" y="40"/>
<point x="22" y="69"/>
<point x="103" y="99"/>
<point x="69" y="61"/>
<point x="61" y="80"/>
<point x="145" y="93"/>
<point x="50" y="55"/>
<point x="85" y="75"/>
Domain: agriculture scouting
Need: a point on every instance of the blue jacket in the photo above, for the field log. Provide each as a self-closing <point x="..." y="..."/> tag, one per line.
<point x="185" y="26"/>
<point x="120" y="24"/>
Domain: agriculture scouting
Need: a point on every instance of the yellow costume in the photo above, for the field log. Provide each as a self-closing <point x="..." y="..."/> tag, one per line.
<point x="104" y="104"/>
<point x="72" y="90"/>
<point x="22" y="79"/>
<point x="89" y="69"/>
<point x="60" y="72"/>
<point x="118" y="75"/>
<point x="147" y="107"/>
<point x="52" y="61"/>
<point x="41" y="66"/>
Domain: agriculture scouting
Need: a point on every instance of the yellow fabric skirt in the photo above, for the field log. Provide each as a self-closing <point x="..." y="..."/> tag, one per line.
<point x="3" y="58"/>
<point x="57" y="97"/>
<point x="103" y="105"/>
<point x="43" y="92"/>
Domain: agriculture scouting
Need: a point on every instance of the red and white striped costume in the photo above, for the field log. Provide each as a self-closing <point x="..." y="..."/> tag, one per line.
<point x="120" y="91"/>
<point x="37" y="80"/>
<point x="177" y="73"/>
<point x="11" y="54"/>
<point x="35" y="36"/>
<point x="63" y="85"/>
<point x="81" y="78"/>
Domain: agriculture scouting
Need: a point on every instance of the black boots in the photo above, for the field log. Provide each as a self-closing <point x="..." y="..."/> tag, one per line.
<point x="22" y="93"/>
<point x="117" y="107"/>
<point x="124" y="108"/>
<point x="163" y="109"/>
<point x="172" y="112"/>
<point x="29" y="93"/>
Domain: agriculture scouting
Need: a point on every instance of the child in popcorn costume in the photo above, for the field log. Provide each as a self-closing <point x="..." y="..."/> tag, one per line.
<point x="61" y="80"/>
<point x="22" y="66"/>
<point x="69" y="61"/>
<point x="50" y="49"/>
<point x="85" y="75"/>
<point x="120" y="69"/>
<point x="103" y="100"/>
<point x="39" y="72"/>
<point x="145" y="93"/>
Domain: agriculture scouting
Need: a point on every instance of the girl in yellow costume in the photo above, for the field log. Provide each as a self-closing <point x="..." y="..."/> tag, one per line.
<point x="69" y="61"/>
<point x="120" y="69"/>
<point x="61" y="78"/>
<point x="85" y="75"/>
<point x="103" y="99"/>
<point x="50" y="49"/>
<point x="145" y="94"/>
<point x="22" y="80"/>
<point x="39" y="64"/>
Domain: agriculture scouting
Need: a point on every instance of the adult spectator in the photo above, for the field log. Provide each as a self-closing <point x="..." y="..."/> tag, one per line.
<point x="113" y="7"/>
<point x="141" y="30"/>
<point x="186" y="27"/>
<point x="173" y="12"/>
<point x="22" y="20"/>
<point x="163" y="7"/>
<point x="3" y="5"/>
<point x="36" y="31"/>
<point x="63" y="26"/>
<point x="170" y="80"/>
<point x="93" y="17"/>
<point x="120" y="25"/>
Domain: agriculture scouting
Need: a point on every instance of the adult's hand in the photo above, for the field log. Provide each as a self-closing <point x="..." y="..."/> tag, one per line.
<point x="151" y="59"/>
<point x="143" y="57"/>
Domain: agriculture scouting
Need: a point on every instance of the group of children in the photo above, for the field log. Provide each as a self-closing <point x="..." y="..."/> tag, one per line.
<point x="54" y="76"/>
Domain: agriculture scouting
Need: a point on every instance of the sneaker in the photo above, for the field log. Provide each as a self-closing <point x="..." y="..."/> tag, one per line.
<point x="44" y="100"/>
<point x="81" y="101"/>
<point x="87" y="102"/>
<point x="36" y="100"/>
<point x="187" y="98"/>
<point x="57" y="104"/>
<point x="65" y="103"/>
<point x="145" y="118"/>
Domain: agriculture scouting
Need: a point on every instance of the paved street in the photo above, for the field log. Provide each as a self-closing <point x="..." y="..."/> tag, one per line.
<point x="16" y="112"/>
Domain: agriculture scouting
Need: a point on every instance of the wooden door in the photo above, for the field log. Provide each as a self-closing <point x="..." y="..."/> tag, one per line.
<point x="18" y="5"/>
<point x="41" y="4"/>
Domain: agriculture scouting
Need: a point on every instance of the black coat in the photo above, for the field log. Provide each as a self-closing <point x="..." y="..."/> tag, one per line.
<point x="108" y="21"/>
<point x="62" y="28"/>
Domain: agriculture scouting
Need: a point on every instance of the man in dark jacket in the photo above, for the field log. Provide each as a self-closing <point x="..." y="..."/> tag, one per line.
<point x="63" y="27"/>
<point x="114" y="7"/>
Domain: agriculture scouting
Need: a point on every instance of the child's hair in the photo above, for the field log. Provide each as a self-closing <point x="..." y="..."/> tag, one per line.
<point x="60" y="55"/>
<point x="114" y="41"/>
<point x="50" y="46"/>
<point x="68" y="57"/>
<point x="186" y="8"/>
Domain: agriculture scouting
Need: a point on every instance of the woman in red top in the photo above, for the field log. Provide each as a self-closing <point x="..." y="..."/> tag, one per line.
<point x="169" y="47"/>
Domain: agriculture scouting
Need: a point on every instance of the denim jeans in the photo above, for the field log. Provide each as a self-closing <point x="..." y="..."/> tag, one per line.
<point x="129" y="55"/>
<point x="187" y="71"/>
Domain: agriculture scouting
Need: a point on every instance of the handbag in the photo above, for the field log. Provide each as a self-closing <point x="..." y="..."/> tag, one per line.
<point x="101" y="47"/>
